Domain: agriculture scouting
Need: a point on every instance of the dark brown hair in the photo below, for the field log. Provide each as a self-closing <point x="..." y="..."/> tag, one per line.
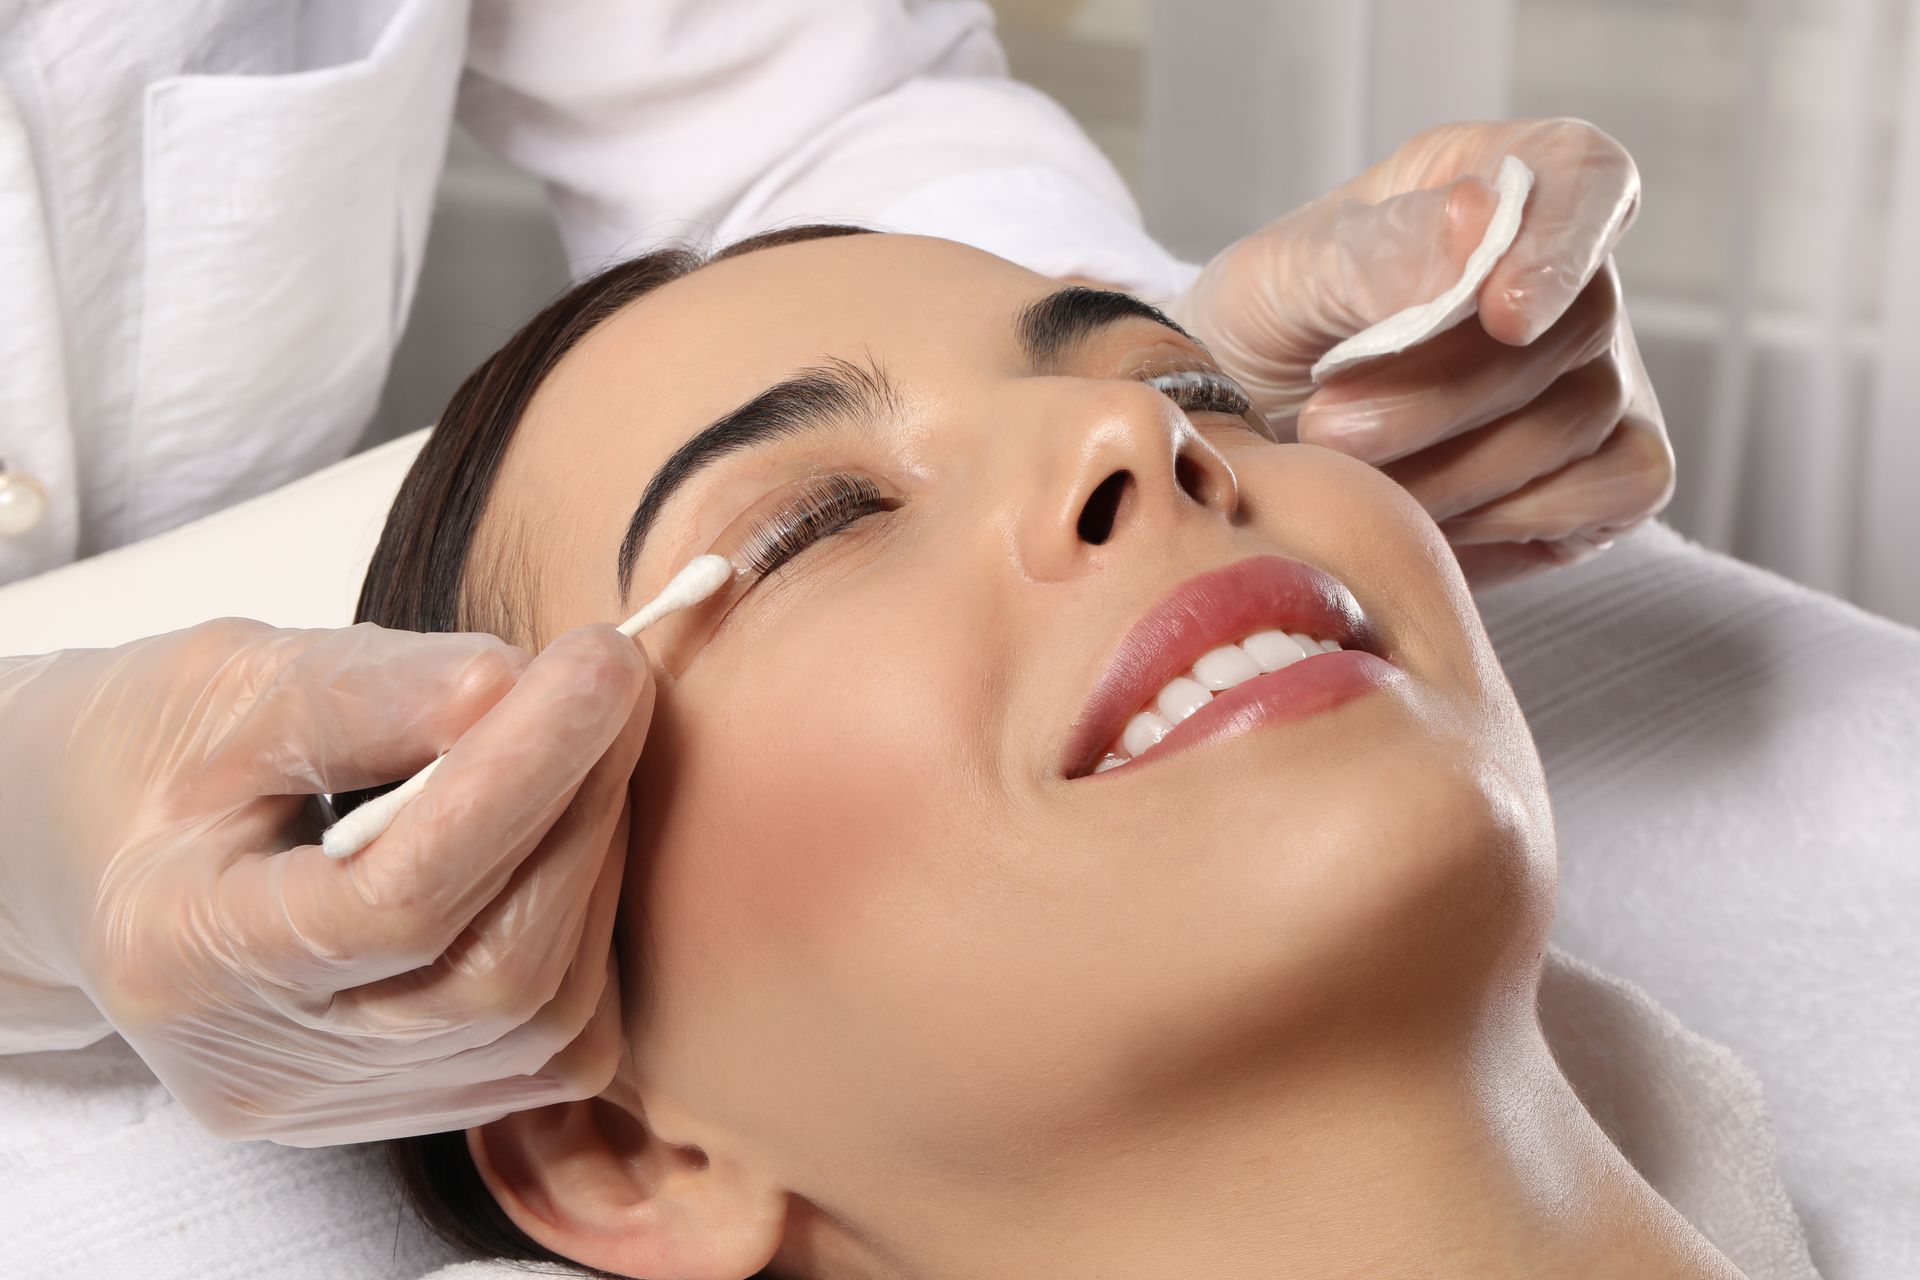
<point x="420" y="580"/>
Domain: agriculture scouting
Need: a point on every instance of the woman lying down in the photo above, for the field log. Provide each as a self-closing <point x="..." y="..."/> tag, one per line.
<point x="1091" y="840"/>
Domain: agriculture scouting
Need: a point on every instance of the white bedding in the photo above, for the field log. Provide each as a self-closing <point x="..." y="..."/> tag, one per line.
<point x="1732" y="761"/>
<point x="1735" y="770"/>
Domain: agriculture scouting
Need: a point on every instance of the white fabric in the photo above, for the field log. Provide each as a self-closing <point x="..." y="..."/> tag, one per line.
<point x="213" y="212"/>
<point x="1731" y="762"/>
<point x="1115" y="251"/>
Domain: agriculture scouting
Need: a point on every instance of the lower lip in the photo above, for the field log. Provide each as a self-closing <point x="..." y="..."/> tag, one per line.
<point x="1304" y="688"/>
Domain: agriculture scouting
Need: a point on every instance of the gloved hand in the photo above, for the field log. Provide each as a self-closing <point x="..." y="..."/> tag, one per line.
<point x="1531" y="435"/>
<point x="159" y="856"/>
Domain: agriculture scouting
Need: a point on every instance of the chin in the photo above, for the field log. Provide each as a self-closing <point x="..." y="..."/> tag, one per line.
<point x="1384" y="878"/>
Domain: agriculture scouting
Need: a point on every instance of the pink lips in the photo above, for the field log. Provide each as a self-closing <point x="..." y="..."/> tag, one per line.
<point x="1221" y="607"/>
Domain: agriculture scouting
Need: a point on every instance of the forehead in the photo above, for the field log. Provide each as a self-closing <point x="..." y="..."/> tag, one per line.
<point x="614" y="407"/>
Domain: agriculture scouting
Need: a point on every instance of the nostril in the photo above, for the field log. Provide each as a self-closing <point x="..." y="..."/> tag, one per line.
<point x="1193" y="479"/>
<point x="1096" y="518"/>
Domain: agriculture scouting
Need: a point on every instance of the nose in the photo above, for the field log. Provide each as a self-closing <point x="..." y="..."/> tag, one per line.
<point x="1128" y="469"/>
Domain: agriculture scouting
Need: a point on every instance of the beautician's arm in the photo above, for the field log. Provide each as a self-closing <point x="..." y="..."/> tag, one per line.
<point x="690" y="117"/>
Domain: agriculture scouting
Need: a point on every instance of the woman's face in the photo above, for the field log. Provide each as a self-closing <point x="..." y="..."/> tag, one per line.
<point x="900" y="946"/>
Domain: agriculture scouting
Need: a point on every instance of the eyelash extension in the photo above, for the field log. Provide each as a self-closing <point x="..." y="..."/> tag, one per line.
<point x="1202" y="391"/>
<point x="822" y="509"/>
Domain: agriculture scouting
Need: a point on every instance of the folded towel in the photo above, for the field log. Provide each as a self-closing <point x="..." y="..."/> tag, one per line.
<point x="103" y="1176"/>
<point x="1685" y="1112"/>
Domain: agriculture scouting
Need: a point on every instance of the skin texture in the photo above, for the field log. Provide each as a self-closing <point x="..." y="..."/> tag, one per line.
<point x="902" y="1000"/>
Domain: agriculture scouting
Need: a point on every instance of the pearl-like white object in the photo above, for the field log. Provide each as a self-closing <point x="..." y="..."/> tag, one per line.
<point x="23" y="500"/>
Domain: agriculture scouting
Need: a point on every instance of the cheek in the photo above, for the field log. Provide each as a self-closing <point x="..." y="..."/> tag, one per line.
<point x="806" y="801"/>
<point x="1445" y="642"/>
<point x="819" y="801"/>
<point x="1357" y="523"/>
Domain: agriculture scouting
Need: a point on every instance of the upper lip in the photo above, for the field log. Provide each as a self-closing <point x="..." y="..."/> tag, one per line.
<point x="1218" y="607"/>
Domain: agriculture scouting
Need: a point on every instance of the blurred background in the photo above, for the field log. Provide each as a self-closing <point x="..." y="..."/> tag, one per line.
<point x="1773" y="275"/>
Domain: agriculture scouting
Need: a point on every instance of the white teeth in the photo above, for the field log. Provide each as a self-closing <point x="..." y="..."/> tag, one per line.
<point x="1143" y="731"/>
<point x="1224" y="667"/>
<point x="1181" y="698"/>
<point x="1217" y="670"/>
<point x="1273" y="649"/>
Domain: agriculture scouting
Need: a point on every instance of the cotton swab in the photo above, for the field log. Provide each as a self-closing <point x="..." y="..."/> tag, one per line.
<point x="702" y="576"/>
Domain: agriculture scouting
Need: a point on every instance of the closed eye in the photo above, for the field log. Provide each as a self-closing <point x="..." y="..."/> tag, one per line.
<point x="1208" y="391"/>
<point x="822" y="507"/>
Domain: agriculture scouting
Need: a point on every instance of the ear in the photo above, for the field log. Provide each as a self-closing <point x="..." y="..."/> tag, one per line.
<point x="591" y="1182"/>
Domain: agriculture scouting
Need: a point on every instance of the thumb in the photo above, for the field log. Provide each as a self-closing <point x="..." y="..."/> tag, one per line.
<point x="1365" y="262"/>
<point x="336" y="710"/>
<point x="1272" y="303"/>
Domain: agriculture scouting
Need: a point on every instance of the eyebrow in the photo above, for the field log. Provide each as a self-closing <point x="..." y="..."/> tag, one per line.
<point x="1052" y="326"/>
<point x="837" y="393"/>
<point x="841" y="393"/>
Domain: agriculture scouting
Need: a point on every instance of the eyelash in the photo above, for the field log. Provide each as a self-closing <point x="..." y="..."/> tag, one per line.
<point x="836" y="501"/>
<point x="1202" y="391"/>
<point x="822" y="509"/>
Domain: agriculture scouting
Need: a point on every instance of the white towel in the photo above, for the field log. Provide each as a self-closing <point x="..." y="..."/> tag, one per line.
<point x="1735" y="769"/>
<point x="104" y="1177"/>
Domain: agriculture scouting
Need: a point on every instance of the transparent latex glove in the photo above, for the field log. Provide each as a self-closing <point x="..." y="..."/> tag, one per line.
<point x="160" y="855"/>
<point x="1531" y="434"/>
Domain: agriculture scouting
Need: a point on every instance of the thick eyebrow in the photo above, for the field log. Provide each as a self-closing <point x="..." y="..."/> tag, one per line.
<point x="1053" y="325"/>
<point x="839" y="393"/>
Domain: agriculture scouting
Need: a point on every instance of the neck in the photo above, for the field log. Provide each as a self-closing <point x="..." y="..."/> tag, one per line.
<point x="1467" y="1158"/>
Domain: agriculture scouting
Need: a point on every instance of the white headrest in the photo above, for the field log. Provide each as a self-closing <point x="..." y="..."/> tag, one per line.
<point x="293" y="557"/>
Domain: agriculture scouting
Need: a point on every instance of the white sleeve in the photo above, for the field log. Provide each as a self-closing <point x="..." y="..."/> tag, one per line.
<point x="715" y="119"/>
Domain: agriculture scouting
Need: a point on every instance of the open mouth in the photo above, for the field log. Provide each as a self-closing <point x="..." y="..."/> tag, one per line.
<point x="1261" y="639"/>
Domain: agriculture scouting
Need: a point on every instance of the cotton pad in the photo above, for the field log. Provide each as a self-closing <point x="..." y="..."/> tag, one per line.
<point x="1416" y="324"/>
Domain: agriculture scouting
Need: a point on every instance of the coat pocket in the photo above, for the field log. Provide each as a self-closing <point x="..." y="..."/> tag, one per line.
<point x="282" y="216"/>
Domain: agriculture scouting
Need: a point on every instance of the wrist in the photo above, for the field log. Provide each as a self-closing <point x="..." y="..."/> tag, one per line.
<point x="41" y="1008"/>
<point x="38" y="1017"/>
<point x="26" y="821"/>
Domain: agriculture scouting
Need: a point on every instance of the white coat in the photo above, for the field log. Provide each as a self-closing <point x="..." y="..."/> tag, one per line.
<point x="212" y="212"/>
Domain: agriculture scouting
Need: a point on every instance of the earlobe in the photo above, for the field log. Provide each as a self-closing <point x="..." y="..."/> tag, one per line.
<point x="591" y="1182"/>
